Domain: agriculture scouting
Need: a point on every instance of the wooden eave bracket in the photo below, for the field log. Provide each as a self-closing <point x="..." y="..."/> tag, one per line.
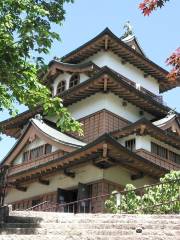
<point x="137" y="176"/>
<point x="21" y="188"/>
<point x="44" y="181"/>
<point x="142" y="130"/>
<point x="105" y="150"/>
<point x="106" y="43"/>
<point x="69" y="173"/>
<point x="105" y="83"/>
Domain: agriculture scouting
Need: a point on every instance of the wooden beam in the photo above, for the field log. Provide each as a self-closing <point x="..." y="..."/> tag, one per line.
<point x="44" y="181"/>
<point x="69" y="173"/>
<point x="21" y="188"/>
<point x="142" y="129"/>
<point x="106" y="43"/>
<point x="146" y="75"/>
<point x="123" y="61"/>
<point x="137" y="176"/>
<point x="105" y="150"/>
<point x="105" y="83"/>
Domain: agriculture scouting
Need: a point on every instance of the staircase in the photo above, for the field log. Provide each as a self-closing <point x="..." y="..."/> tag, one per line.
<point x="61" y="226"/>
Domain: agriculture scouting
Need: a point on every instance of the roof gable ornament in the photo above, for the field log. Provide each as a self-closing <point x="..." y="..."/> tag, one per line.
<point x="171" y="112"/>
<point x="39" y="117"/>
<point x="128" y="30"/>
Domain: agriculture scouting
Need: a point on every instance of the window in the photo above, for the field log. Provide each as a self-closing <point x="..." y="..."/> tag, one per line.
<point x="174" y="157"/>
<point x="25" y="156"/>
<point x="37" y="152"/>
<point x="165" y="153"/>
<point x="74" y="80"/>
<point x="61" y="87"/>
<point x="158" y="150"/>
<point x="48" y="149"/>
<point x="130" y="144"/>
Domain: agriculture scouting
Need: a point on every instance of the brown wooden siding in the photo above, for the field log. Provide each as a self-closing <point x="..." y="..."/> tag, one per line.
<point x="101" y="122"/>
<point x="101" y="188"/>
<point x="159" y="161"/>
<point x="27" y="203"/>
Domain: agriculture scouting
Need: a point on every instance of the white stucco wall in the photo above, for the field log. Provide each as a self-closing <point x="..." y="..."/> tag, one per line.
<point x="121" y="175"/>
<point x="66" y="77"/>
<point x="144" y="142"/>
<point x="36" y="143"/>
<point x="107" y="58"/>
<point x="85" y="173"/>
<point x="108" y="101"/>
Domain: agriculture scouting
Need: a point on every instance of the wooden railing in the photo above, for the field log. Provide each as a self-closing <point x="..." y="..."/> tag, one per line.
<point x="40" y="160"/>
<point x="162" y="162"/>
<point x="172" y="203"/>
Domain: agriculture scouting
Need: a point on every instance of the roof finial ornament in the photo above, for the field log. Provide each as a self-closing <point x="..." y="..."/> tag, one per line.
<point x="39" y="117"/>
<point x="128" y="30"/>
<point x="171" y="112"/>
<point x="57" y="58"/>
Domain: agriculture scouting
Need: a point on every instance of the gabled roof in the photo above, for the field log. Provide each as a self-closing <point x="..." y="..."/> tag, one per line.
<point x="107" y="80"/>
<point x="170" y="121"/>
<point x="116" y="84"/>
<point x="132" y="41"/>
<point x="108" y="41"/>
<point x="56" y="135"/>
<point x="42" y="130"/>
<point x="90" y="153"/>
<point x="145" y="127"/>
<point x="56" y="67"/>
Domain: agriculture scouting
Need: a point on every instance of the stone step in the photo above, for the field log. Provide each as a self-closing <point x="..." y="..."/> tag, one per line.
<point x="21" y="219"/>
<point x="94" y="232"/>
<point x="103" y="219"/>
<point x="89" y="215"/>
<point x="92" y="225"/>
<point x="69" y="237"/>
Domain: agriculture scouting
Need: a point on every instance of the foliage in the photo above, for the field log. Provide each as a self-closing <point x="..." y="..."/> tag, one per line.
<point x="153" y="199"/>
<point x="147" y="6"/>
<point x="174" y="60"/>
<point x="150" y="5"/>
<point x="25" y="34"/>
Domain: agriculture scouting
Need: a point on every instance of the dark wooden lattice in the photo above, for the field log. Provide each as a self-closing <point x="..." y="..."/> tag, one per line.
<point x="3" y="183"/>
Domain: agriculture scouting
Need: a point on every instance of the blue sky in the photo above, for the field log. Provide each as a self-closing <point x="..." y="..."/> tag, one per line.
<point x="158" y="35"/>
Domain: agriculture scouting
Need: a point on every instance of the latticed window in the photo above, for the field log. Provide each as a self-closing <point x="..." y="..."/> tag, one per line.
<point x="174" y="157"/>
<point x="48" y="148"/>
<point x="158" y="150"/>
<point x="61" y="87"/>
<point x="74" y="80"/>
<point x="131" y="144"/>
<point x="37" y="152"/>
<point x="25" y="156"/>
<point x="165" y="153"/>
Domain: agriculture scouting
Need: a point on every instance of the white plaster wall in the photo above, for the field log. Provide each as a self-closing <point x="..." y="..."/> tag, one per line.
<point x="104" y="58"/>
<point x="124" y="139"/>
<point x="144" y="142"/>
<point x="36" y="143"/>
<point x="66" y="77"/>
<point x="108" y="101"/>
<point x="122" y="176"/>
<point x="85" y="173"/>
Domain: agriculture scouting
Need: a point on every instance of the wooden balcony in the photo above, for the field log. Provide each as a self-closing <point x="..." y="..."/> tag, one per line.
<point x="34" y="163"/>
<point x="162" y="162"/>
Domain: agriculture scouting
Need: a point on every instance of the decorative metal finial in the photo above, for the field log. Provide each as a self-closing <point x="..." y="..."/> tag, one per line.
<point x="128" y="30"/>
<point x="172" y="112"/>
<point x="39" y="117"/>
<point x="57" y="58"/>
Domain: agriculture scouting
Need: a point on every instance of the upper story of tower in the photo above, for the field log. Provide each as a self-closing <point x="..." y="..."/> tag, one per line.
<point x="106" y="73"/>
